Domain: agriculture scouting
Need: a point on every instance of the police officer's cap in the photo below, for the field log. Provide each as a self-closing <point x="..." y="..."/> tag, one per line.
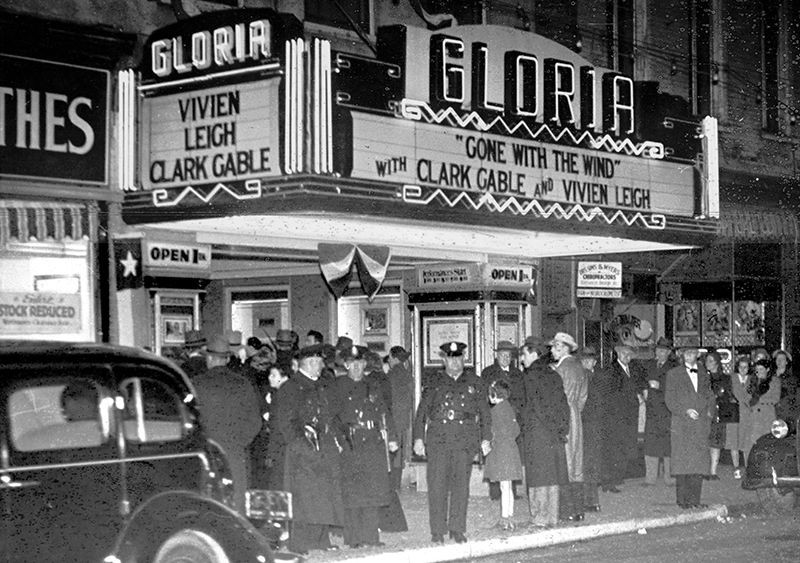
<point x="452" y="349"/>
<point x="315" y="350"/>
<point x="354" y="353"/>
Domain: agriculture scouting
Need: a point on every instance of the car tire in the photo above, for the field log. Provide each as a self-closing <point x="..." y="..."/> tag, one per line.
<point x="190" y="545"/>
<point x="774" y="502"/>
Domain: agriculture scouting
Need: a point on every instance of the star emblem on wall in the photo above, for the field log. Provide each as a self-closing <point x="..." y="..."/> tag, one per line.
<point x="129" y="264"/>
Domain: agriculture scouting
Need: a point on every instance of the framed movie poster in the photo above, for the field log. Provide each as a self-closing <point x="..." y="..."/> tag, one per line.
<point x="686" y="323"/>
<point x="376" y="320"/>
<point x="174" y="328"/>
<point x="438" y="330"/>
<point x="748" y="324"/>
<point x="716" y="324"/>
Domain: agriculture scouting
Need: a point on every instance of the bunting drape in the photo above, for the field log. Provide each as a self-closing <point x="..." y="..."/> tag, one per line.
<point x="336" y="262"/>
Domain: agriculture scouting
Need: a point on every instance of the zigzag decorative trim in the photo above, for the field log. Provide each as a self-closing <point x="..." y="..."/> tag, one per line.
<point x="413" y="194"/>
<point x="161" y="197"/>
<point x="416" y="110"/>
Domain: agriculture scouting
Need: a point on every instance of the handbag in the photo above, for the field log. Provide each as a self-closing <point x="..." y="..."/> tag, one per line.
<point x="727" y="409"/>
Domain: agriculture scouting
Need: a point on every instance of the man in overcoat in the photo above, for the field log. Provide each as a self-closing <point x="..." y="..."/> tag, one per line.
<point x="369" y="438"/>
<point x="307" y="418"/>
<point x="231" y="411"/>
<point x="592" y="419"/>
<point x="622" y="384"/>
<point x="569" y="368"/>
<point x="657" y="416"/>
<point x="453" y="424"/>
<point x="545" y="425"/>
<point x="692" y="405"/>
<point x="502" y="369"/>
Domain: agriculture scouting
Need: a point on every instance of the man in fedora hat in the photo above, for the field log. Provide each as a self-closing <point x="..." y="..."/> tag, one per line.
<point x="231" y="411"/>
<point x="501" y="369"/>
<point x="194" y="344"/>
<point x="453" y="424"/>
<point x="657" y="415"/>
<point x="569" y="368"/>
<point x="592" y="420"/>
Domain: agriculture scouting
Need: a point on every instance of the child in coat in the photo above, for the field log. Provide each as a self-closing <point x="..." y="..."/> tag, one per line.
<point x="503" y="462"/>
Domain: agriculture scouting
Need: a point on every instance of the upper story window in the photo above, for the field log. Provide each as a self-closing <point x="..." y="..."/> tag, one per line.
<point x="326" y="12"/>
<point x="770" y="65"/>
<point x="700" y="54"/>
<point x="621" y="25"/>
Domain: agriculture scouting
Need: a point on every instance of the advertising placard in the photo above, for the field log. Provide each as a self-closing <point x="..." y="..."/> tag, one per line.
<point x="39" y="313"/>
<point x="53" y="121"/>
<point x="177" y="256"/>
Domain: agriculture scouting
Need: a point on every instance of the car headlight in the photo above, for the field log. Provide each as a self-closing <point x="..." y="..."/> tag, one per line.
<point x="779" y="428"/>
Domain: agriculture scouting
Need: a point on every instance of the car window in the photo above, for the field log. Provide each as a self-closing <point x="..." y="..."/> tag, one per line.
<point x="57" y="414"/>
<point x="153" y="412"/>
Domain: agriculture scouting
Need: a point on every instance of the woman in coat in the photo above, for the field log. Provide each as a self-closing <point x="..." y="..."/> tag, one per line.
<point x="765" y="392"/>
<point x="692" y="405"/>
<point x="740" y="382"/>
<point x="545" y="424"/>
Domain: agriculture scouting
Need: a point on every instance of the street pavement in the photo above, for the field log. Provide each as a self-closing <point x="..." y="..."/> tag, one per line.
<point x="634" y="510"/>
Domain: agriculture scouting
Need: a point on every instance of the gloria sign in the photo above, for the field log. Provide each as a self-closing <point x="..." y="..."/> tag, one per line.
<point x="489" y="113"/>
<point x="53" y="121"/>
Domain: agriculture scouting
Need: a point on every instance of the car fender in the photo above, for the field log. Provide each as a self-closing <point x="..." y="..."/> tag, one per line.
<point x="770" y="453"/>
<point x="165" y="513"/>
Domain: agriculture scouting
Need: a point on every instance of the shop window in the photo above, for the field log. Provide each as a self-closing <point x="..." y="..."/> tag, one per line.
<point x="153" y="412"/>
<point x="329" y="13"/>
<point x="57" y="415"/>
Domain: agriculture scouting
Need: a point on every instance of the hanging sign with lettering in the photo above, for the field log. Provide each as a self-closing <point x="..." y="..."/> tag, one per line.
<point x="53" y="121"/>
<point x="177" y="256"/>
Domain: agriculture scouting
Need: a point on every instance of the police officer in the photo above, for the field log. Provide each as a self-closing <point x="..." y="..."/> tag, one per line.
<point x="306" y="417"/>
<point x="369" y="438"/>
<point x="453" y="421"/>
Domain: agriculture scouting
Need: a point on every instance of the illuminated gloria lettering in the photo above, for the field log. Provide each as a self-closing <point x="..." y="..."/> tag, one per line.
<point x="567" y="94"/>
<point x="221" y="47"/>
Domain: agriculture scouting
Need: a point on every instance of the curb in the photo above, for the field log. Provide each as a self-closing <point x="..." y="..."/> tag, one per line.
<point x="483" y="548"/>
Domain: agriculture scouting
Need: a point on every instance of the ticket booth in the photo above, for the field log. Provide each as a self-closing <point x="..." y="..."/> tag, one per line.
<point x="478" y="304"/>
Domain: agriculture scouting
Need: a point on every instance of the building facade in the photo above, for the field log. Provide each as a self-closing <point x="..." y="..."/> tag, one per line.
<point x="485" y="170"/>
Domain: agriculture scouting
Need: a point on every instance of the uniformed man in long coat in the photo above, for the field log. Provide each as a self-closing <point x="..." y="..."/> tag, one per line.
<point x="452" y="425"/>
<point x="306" y="416"/>
<point x="657" y="415"/>
<point x="692" y="404"/>
<point x="369" y="438"/>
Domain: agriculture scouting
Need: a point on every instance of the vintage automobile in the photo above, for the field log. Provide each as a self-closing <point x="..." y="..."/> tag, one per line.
<point x="103" y="457"/>
<point x="773" y="465"/>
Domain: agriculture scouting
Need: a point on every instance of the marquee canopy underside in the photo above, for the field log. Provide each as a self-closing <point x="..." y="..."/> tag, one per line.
<point x="281" y="241"/>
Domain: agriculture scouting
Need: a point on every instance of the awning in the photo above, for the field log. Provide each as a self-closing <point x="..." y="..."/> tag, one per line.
<point x="758" y="225"/>
<point x="43" y="221"/>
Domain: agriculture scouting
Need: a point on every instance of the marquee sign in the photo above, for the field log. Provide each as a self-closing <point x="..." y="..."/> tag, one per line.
<point x="212" y="135"/>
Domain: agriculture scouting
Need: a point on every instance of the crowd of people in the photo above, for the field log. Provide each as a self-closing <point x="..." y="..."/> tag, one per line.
<point x="327" y="423"/>
<point x="330" y="423"/>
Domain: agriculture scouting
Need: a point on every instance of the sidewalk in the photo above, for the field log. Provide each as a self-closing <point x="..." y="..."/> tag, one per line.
<point x="635" y="508"/>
